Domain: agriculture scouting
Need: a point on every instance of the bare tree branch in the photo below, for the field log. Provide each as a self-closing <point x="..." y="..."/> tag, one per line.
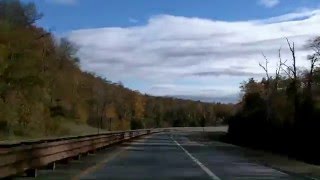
<point x="279" y="65"/>
<point x="292" y="49"/>
<point x="284" y="64"/>
<point x="265" y="68"/>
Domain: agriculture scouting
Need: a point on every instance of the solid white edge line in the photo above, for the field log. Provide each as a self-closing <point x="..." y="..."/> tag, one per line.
<point x="203" y="167"/>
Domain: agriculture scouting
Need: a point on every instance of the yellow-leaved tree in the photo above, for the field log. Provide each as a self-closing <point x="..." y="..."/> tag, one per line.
<point x="138" y="112"/>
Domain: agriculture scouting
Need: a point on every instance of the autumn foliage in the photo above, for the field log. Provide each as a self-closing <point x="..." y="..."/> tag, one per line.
<point x="42" y="87"/>
<point x="281" y="113"/>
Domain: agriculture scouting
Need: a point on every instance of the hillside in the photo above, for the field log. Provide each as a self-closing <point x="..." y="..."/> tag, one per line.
<point x="43" y="90"/>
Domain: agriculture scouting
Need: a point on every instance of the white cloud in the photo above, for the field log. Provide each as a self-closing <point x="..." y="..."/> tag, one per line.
<point x="303" y="13"/>
<point x="66" y="2"/>
<point x="133" y="20"/>
<point x="175" y="55"/>
<point x="269" y="3"/>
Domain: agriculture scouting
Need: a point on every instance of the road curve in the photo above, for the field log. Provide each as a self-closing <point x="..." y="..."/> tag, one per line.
<point x="174" y="156"/>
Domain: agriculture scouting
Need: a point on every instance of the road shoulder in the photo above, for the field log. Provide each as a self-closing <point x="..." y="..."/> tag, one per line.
<point x="275" y="161"/>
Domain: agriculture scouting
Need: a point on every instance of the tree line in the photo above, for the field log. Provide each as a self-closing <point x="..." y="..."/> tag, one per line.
<point x="281" y="112"/>
<point x="42" y="87"/>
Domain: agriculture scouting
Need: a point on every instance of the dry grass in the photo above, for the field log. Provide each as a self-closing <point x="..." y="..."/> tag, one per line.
<point x="70" y="128"/>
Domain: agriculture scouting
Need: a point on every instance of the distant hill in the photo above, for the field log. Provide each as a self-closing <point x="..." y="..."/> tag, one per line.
<point x="226" y="99"/>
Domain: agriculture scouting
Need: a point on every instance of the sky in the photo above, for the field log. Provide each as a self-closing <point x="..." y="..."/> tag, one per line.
<point x="194" y="49"/>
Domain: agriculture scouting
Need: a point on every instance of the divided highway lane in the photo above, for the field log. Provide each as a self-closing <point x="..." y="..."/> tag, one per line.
<point x="154" y="157"/>
<point x="174" y="156"/>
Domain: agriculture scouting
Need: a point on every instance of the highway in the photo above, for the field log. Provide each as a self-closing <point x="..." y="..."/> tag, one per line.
<point x="167" y="155"/>
<point x="174" y="156"/>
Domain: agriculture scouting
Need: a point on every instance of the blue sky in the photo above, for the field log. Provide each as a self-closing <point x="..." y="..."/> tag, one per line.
<point x="66" y="15"/>
<point x="181" y="47"/>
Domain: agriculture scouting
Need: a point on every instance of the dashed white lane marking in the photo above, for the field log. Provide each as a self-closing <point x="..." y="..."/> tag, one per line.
<point x="203" y="167"/>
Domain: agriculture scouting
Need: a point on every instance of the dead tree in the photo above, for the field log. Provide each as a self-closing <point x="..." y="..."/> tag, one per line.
<point x="272" y="83"/>
<point x="267" y="86"/>
<point x="291" y="71"/>
<point x="314" y="58"/>
<point x="278" y="71"/>
<point x="265" y="67"/>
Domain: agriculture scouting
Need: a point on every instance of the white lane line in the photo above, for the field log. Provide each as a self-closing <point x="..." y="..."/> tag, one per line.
<point x="203" y="167"/>
<point x="313" y="178"/>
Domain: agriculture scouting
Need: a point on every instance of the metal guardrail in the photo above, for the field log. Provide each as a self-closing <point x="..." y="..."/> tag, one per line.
<point x="28" y="156"/>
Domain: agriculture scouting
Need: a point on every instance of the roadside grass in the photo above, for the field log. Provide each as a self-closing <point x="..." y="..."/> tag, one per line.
<point x="65" y="128"/>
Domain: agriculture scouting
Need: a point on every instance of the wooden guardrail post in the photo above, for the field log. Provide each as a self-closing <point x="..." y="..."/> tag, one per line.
<point x="131" y="134"/>
<point x="32" y="173"/>
<point x="65" y="161"/>
<point x="51" y="166"/>
<point x="77" y="157"/>
<point x="123" y="135"/>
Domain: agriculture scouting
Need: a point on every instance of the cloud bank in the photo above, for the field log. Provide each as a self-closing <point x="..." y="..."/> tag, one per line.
<point x="175" y="55"/>
<point x="269" y="3"/>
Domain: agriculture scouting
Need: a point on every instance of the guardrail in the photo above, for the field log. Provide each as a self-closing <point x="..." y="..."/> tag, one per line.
<point x="30" y="155"/>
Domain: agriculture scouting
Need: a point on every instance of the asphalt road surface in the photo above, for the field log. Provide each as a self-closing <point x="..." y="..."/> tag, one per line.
<point x="174" y="156"/>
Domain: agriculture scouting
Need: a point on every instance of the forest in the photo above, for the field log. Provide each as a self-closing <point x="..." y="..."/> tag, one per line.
<point x="281" y="112"/>
<point x="44" y="92"/>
